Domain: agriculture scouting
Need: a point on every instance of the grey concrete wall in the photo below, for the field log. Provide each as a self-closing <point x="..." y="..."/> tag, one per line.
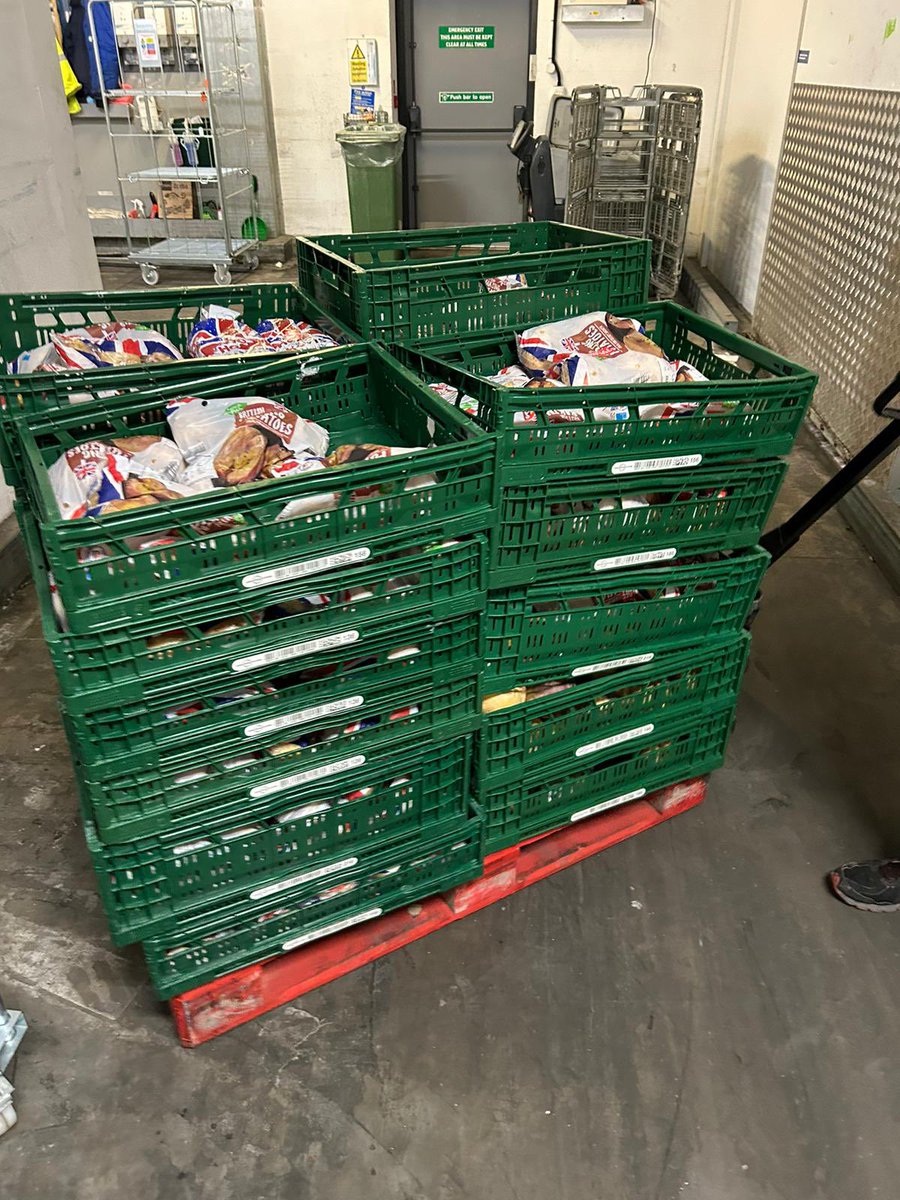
<point x="45" y="239"/>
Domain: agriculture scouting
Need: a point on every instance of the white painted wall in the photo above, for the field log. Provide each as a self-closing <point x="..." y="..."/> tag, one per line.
<point x="45" y="239"/>
<point x="758" y="74"/>
<point x="741" y="52"/>
<point x="852" y="45"/>
<point x="310" y="89"/>
<point x="310" y="93"/>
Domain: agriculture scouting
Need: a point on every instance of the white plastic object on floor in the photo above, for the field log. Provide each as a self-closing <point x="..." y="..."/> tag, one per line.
<point x="8" y="1116"/>
<point x="12" y="1030"/>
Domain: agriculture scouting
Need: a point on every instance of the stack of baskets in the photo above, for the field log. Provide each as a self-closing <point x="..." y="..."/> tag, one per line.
<point x="624" y="562"/>
<point x="270" y="719"/>
<point x="277" y="724"/>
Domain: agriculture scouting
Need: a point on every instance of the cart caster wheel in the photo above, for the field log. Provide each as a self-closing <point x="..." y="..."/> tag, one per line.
<point x="251" y="262"/>
<point x="221" y="274"/>
<point x="149" y="274"/>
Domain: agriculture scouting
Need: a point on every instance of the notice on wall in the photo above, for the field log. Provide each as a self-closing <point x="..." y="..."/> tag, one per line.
<point x="466" y="37"/>
<point x="362" y="61"/>
<point x="146" y="39"/>
<point x="362" y="102"/>
<point x="465" y="97"/>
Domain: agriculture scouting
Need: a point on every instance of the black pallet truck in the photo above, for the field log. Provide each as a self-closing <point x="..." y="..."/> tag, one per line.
<point x="784" y="537"/>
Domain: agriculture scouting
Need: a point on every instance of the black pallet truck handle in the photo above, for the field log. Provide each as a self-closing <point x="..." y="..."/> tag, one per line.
<point x="781" y="539"/>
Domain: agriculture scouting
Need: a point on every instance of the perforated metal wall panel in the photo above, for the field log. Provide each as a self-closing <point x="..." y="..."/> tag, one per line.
<point x="829" y="296"/>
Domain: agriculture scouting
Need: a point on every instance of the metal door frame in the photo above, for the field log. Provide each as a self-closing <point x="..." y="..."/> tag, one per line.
<point x="404" y="40"/>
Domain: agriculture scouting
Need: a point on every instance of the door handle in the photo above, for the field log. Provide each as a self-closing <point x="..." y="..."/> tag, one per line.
<point x="414" y="119"/>
<point x="519" y="111"/>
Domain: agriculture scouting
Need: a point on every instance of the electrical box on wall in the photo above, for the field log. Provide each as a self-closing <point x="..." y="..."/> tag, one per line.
<point x="602" y="13"/>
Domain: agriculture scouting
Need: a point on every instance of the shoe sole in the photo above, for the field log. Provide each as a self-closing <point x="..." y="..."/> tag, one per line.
<point x="834" y="879"/>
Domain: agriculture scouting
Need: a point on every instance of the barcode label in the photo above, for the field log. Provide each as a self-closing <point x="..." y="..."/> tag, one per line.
<point x="613" y="664"/>
<point x="306" y="877"/>
<point x="634" y="560"/>
<point x="674" y="462"/>
<point x="298" y="650"/>
<point x="312" y="566"/>
<point x="302" y="716"/>
<point x="335" y="928"/>
<point x="595" y="808"/>
<point x="290" y="781"/>
<point x="615" y="739"/>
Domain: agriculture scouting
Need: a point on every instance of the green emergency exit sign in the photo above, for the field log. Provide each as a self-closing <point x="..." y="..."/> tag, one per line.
<point x="465" y="97"/>
<point x="466" y="37"/>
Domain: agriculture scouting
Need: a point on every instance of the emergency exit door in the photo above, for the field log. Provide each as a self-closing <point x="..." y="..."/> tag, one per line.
<point x="463" y="84"/>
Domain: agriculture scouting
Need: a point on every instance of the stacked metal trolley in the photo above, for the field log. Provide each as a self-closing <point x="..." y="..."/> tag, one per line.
<point x="631" y="162"/>
<point x="282" y="728"/>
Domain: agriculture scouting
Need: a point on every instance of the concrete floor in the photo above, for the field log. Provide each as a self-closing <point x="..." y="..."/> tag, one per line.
<point x="690" y="1014"/>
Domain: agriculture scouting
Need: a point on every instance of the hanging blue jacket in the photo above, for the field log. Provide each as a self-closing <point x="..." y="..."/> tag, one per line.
<point x="79" y="47"/>
<point x="106" y="48"/>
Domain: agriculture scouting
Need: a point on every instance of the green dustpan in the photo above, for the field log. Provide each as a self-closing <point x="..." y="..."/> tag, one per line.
<point x="255" y="227"/>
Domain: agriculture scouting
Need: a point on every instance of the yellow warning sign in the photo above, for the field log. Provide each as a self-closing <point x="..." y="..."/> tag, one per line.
<point x="363" y="61"/>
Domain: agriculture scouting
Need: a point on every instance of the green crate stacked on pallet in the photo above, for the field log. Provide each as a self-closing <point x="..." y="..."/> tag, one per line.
<point x="29" y="320"/>
<point x="624" y="563"/>
<point x="271" y="690"/>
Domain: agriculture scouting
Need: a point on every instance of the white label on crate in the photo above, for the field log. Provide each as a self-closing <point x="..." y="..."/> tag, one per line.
<point x="312" y="566"/>
<point x="675" y="462"/>
<point x="306" y="877"/>
<point x="614" y="739"/>
<point x="302" y="716"/>
<point x="298" y="650"/>
<point x="595" y="808"/>
<point x="612" y="664"/>
<point x="335" y="928"/>
<point x="289" y="781"/>
<point x="191" y="847"/>
<point x="634" y="560"/>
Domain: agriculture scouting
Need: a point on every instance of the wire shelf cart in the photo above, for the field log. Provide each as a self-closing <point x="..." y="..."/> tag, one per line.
<point x="183" y="156"/>
<point x="630" y="166"/>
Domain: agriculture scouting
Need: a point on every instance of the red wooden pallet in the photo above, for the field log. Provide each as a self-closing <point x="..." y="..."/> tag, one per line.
<point x="212" y="1009"/>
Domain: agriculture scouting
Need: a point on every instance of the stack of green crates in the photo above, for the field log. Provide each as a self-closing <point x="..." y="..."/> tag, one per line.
<point x="271" y="720"/>
<point x="623" y="566"/>
<point x="282" y="728"/>
<point x="28" y="320"/>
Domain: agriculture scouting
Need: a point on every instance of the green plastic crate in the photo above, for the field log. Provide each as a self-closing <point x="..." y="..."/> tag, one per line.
<point x="246" y="642"/>
<point x="445" y="490"/>
<point x="286" y="697"/>
<point x="552" y="797"/>
<point x="394" y="803"/>
<point x="28" y="319"/>
<point x="551" y="630"/>
<point x="764" y="397"/>
<point x="588" y="522"/>
<point x="406" y="285"/>
<point x="199" y="949"/>
<point x="612" y="707"/>
<point x="128" y="802"/>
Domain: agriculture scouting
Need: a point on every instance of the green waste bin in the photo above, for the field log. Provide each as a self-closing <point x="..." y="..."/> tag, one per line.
<point x="372" y="156"/>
